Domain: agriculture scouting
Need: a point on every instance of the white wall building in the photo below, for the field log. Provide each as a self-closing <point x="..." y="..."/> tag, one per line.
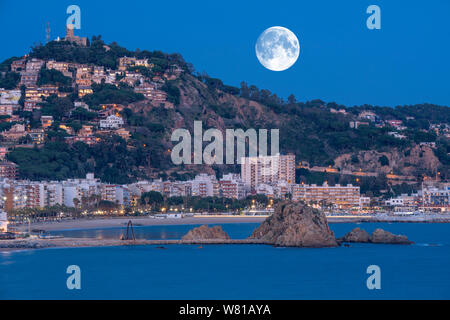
<point x="205" y="185"/>
<point x="339" y="196"/>
<point x="268" y="170"/>
<point x="111" y="122"/>
<point x="123" y="195"/>
<point x="70" y="192"/>
<point x="53" y="194"/>
<point x="3" y="222"/>
<point x="265" y="189"/>
<point x="232" y="186"/>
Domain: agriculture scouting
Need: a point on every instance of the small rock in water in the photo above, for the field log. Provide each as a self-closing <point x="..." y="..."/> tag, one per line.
<point x="206" y="233"/>
<point x="356" y="235"/>
<point x="382" y="236"/>
<point x="378" y="236"/>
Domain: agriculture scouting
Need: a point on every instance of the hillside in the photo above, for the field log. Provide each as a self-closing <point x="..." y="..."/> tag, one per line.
<point x="317" y="132"/>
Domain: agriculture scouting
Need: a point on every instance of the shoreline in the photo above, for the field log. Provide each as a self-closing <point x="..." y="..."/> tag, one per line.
<point x="116" y="222"/>
<point x="121" y="222"/>
<point x="113" y="222"/>
<point x="432" y="218"/>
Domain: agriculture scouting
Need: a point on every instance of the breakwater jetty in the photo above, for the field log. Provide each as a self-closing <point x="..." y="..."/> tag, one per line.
<point x="91" y="242"/>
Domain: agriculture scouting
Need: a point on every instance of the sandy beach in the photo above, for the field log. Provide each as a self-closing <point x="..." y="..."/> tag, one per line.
<point x="99" y="223"/>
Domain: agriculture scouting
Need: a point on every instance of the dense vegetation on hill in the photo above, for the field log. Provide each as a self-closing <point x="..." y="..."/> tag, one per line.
<point x="111" y="160"/>
<point x="5" y="66"/>
<point x="57" y="107"/>
<point x="98" y="53"/>
<point x="53" y="77"/>
<point x="307" y="129"/>
<point x="9" y="80"/>
<point x="107" y="93"/>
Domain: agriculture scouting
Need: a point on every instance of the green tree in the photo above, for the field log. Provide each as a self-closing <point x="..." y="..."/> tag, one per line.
<point x="152" y="198"/>
<point x="383" y="160"/>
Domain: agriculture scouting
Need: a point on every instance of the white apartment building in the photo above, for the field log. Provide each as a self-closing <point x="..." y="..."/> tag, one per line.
<point x="282" y="189"/>
<point x="34" y="194"/>
<point x="438" y="196"/>
<point x="17" y="194"/>
<point x="3" y="221"/>
<point x="111" y="122"/>
<point x="123" y="195"/>
<point x="364" y="202"/>
<point x="232" y="186"/>
<point x="53" y="194"/>
<point x="205" y="185"/>
<point x="70" y="192"/>
<point x="394" y="202"/>
<point x="268" y="170"/>
<point x="339" y="196"/>
<point x="10" y="97"/>
<point x="108" y="192"/>
<point x="140" y="187"/>
<point x="265" y="189"/>
<point x="180" y="189"/>
<point x="80" y="188"/>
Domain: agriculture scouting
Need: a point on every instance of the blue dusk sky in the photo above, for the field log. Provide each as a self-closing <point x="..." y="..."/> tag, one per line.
<point x="341" y="60"/>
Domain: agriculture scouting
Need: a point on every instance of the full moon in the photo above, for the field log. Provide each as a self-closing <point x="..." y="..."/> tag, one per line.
<point x="277" y="48"/>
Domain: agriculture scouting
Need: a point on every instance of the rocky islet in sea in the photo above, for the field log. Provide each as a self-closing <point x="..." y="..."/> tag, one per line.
<point x="299" y="225"/>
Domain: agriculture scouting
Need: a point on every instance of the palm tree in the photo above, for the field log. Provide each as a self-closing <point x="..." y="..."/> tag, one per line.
<point x="76" y="202"/>
<point x="84" y="201"/>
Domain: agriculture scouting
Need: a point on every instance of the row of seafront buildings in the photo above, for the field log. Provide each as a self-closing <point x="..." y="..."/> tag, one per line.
<point x="432" y="197"/>
<point x="273" y="176"/>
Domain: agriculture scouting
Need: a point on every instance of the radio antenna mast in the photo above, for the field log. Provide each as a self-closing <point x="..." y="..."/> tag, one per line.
<point x="47" y="31"/>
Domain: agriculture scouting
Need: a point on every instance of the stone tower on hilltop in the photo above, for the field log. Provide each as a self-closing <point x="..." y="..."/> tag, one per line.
<point x="73" y="38"/>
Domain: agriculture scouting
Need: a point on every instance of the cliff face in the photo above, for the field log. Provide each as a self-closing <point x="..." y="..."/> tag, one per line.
<point x="296" y="225"/>
<point x="218" y="109"/>
<point x="409" y="162"/>
<point x="206" y="233"/>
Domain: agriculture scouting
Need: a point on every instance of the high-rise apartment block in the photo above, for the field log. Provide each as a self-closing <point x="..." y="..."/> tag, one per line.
<point x="268" y="170"/>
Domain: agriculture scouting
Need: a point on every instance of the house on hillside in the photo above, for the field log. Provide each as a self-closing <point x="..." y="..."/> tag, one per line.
<point x="111" y="122"/>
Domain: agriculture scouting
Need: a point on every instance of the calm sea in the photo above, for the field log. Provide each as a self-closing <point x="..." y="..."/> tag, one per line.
<point x="419" y="271"/>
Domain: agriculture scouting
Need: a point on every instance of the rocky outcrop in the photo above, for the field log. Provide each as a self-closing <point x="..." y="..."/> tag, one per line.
<point x="382" y="236"/>
<point x="356" y="235"/>
<point x="296" y="225"/>
<point x="410" y="161"/>
<point x="378" y="236"/>
<point x="206" y="233"/>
